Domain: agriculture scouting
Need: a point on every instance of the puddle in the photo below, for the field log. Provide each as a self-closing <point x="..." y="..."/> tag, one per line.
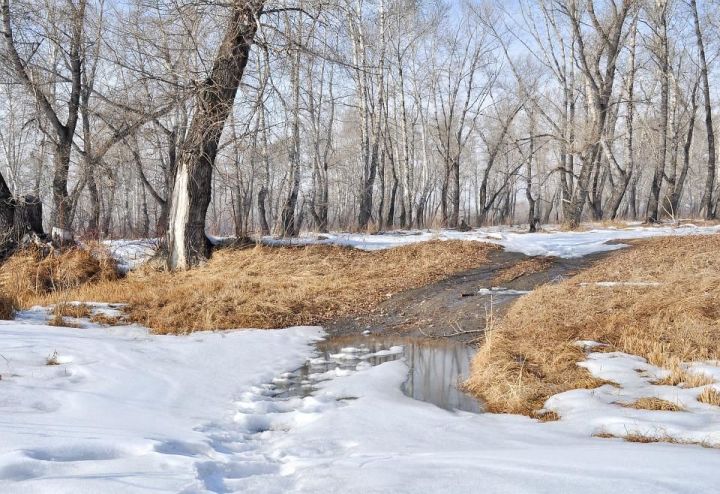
<point x="435" y="368"/>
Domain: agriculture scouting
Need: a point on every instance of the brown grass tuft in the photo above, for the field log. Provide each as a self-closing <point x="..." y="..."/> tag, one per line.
<point x="680" y="376"/>
<point x="655" y="404"/>
<point x="522" y="268"/>
<point x="531" y="353"/>
<point x="28" y="274"/>
<point x="270" y="287"/>
<point x="546" y="415"/>
<point x="61" y="322"/>
<point x="634" y="437"/>
<point x="71" y="310"/>
<point x="710" y="396"/>
<point x="106" y="320"/>
<point x="7" y="306"/>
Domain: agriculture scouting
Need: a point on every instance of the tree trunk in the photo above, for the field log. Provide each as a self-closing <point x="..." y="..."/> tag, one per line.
<point x="187" y="243"/>
<point x="653" y="213"/>
<point x="288" y="225"/>
<point x="7" y="217"/>
<point x="94" y="222"/>
<point x="454" y="217"/>
<point x="707" y="199"/>
<point x="262" y="212"/>
<point x="679" y="182"/>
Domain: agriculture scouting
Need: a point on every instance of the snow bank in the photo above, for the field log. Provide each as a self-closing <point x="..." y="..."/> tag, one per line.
<point x="126" y="411"/>
<point x="600" y="411"/>
<point x="129" y="254"/>
<point x="553" y="243"/>
<point x="383" y="441"/>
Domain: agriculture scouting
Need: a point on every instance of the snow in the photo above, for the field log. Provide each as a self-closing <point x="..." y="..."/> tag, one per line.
<point x="129" y="254"/>
<point x="126" y="411"/>
<point x="600" y="411"/>
<point x="121" y="410"/>
<point x="613" y="284"/>
<point x="501" y="291"/>
<point x="383" y="441"/>
<point x="551" y="243"/>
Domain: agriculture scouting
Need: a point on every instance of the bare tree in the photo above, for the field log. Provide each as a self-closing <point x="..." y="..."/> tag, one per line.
<point x="187" y="242"/>
<point x="62" y="134"/>
<point x="707" y="198"/>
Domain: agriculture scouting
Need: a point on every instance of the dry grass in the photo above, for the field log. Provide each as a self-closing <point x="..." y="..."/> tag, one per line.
<point x="269" y="287"/>
<point x="710" y="396"/>
<point x="7" y="306"/>
<point x="60" y="321"/>
<point x="106" y="320"/>
<point x="655" y="404"/>
<point x="634" y="437"/>
<point x="531" y="353"/>
<point x="71" y="310"/>
<point x="29" y="275"/>
<point x="522" y="268"/>
<point x="680" y="376"/>
<point x="63" y="310"/>
<point x="546" y="415"/>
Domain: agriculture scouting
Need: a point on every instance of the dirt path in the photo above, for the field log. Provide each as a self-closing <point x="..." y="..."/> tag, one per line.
<point x="459" y="304"/>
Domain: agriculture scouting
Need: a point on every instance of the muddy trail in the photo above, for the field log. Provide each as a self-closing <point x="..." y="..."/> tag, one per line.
<point x="459" y="307"/>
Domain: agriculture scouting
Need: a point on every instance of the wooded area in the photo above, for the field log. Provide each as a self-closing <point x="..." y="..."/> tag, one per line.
<point x="164" y="117"/>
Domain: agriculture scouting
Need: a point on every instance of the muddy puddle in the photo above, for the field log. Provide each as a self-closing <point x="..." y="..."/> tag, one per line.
<point x="435" y="368"/>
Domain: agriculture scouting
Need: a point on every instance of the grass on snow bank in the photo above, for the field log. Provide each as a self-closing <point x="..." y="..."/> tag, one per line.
<point x="271" y="287"/>
<point x="531" y="353"/>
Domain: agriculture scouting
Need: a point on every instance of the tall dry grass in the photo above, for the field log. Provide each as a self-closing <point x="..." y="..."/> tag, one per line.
<point x="29" y="274"/>
<point x="270" y="287"/>
<point x="532" y="355"/>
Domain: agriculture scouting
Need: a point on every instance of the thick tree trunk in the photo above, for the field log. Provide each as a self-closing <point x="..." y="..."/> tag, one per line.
<point x="7" y="217"/>
<point x="187" y="243"/>
<point x="262" y="212"/>
<point x="62" y="217"/>
<point x="366" y="193"/>
<point x="390" y="221"/>
<point x="94" y="221"/>
<point x="28" y="217"/>
<point x="454" y="216"/>
<point x="18" y="217"/>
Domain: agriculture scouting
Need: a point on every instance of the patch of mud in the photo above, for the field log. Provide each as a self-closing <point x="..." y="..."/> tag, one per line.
<point x="460" y="306"/>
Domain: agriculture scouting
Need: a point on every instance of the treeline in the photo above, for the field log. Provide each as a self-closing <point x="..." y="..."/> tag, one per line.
<point x="251" y="116"/>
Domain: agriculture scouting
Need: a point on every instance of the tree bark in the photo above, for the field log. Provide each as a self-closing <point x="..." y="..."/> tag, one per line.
<point x="187" y="242"/>
<point x="7" y="217"/>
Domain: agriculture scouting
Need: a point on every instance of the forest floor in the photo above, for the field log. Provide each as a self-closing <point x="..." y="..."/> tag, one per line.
<point x="609" y="361"/>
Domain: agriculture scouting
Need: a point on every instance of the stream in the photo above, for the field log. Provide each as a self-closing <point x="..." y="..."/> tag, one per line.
<point x="435" y="368"/>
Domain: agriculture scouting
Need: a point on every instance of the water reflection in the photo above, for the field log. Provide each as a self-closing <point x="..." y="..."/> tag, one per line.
<point x="435" y="368"/>
<point x="435" y="372"/>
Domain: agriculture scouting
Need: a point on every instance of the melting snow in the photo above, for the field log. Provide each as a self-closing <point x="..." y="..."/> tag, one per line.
<point x="126" y="411"/>
<point x="552" y="243"/>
